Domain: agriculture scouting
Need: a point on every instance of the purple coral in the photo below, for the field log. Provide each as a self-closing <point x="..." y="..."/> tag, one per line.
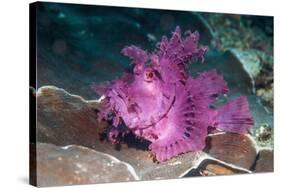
<point x="161" y="103"/>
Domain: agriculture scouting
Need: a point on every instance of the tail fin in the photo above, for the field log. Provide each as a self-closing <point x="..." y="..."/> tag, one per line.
<point x="235" y="116"/>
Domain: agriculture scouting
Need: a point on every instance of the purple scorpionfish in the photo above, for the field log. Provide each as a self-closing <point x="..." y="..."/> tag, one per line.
<point x="159" y="102"/>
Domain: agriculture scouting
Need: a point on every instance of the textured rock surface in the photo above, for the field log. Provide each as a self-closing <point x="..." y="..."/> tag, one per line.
<point x="265" y="161"/>
<point x="249" y="60"/>
<point x="65" y="119"/>
<point x="57" y="166"/>
<point x="235" y="149"/>
<point x="61" y="118"/>
<point x="210" y="167"/>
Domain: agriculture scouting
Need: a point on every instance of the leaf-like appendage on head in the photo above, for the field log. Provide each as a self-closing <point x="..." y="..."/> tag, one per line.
<point x="138" y="55"/>
<point x="181" y="50"/>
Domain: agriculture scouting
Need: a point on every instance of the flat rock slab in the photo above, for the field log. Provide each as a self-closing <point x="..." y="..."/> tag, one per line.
<point x="239" y="150"/>
<point x="265" y="161"/>
<point x="212" y="167"/>
<point x="65" y="119"/>
<point x="58" y="166"/>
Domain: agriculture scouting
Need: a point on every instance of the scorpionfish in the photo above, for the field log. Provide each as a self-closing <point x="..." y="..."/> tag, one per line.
<point x="160" y="102"/>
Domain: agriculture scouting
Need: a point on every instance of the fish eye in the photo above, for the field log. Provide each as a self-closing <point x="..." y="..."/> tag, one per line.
<point x="149" y="75"/>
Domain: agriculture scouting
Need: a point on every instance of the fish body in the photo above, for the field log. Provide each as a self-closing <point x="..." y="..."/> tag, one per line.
<point x="160" y="102"/>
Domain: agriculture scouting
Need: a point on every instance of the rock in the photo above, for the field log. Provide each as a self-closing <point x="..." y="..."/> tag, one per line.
<point x="265" y="160"/>
<point x="65" y="119"/>
<point x="262" y="115"/>
<point x="173" y="168"/>
<point x="232" y="148"/>
<point x="211" y="167"/>
<point x="250" y="61"/>
<point x="60" y="166"/>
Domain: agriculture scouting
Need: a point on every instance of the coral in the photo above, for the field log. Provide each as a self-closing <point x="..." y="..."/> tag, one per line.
<point x="160" y="102"/>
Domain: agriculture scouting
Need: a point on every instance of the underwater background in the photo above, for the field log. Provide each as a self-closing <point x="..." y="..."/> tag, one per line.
<point x="80" y="44"/>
